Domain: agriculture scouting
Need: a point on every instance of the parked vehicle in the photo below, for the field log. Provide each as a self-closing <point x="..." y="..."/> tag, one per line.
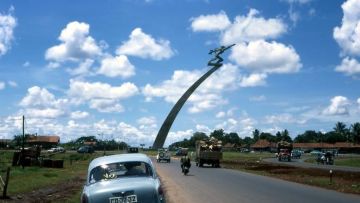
<point x="284" y="151"/>
<point x="56" y="149"/>
<point x="86" y="149"/>
<point x="208" y="152"/>
<point x="181" y="152"/>
<point x="122" y="178"/>
<point x="163" y="155"/>
<point x="132" y="150"/>
<point x="295" y="154"/>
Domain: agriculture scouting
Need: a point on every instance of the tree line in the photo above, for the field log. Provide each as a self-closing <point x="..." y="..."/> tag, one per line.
<point x="340" y="133"/>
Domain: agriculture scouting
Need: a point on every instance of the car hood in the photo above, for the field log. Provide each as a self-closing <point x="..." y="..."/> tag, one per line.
<point x="145" y="188"/>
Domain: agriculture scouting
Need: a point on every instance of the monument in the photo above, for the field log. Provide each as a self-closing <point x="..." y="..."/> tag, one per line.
<point x="215" y="63"/>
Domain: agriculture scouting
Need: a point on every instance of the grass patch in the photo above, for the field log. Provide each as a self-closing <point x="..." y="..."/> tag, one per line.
<point x="348" y="182"/>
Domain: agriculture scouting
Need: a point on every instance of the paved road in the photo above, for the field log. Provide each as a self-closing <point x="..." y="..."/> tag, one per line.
<point x="301" y="163"/>
<point x="224" y="185"/>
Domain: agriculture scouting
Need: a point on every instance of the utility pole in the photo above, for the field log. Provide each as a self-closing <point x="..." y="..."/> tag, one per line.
<point x="23" y="131"/>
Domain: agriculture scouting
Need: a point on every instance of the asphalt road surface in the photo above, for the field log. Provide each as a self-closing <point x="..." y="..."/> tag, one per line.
<point x="224" y="185"/>
<point x="301" y="163"/>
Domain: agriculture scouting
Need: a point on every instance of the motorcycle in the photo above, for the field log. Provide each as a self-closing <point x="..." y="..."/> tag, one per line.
<point x="185" y="170"/>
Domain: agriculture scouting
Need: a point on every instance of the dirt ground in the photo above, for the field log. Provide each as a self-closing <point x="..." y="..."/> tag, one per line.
<point x="56" y="193"/>
<point x="342" y="181"/>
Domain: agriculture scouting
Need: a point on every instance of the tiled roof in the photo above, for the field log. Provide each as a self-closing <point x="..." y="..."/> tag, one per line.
<point x="263" y="144"/>
<point x="326" y="145"/>
<point x="50" y="139"/>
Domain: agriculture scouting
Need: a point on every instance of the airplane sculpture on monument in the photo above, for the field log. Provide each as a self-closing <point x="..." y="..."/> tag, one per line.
<point x="216" y="63"/>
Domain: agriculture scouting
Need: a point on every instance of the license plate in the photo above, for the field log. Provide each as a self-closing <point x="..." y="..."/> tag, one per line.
<point x="126" y="199"/>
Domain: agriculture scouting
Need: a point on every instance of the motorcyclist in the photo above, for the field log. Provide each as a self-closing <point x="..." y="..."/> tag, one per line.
<point x="185" y="162"/>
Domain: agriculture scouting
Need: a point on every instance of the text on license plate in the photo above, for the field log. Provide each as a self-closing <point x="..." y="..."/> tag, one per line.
<point x="126" y="199"/>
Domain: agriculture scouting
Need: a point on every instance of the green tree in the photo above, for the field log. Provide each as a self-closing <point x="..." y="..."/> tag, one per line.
<point x="256" y="135"/>
<point x="285" y="136"/>
<point x="355" y="132"/>
<point x="232" y="138"/>
<point x="340" y="128"/>
<point x="218" y="134"/>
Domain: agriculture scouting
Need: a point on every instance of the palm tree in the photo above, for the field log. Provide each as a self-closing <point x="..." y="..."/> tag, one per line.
<point x="340" y="129"/>
<point x="355" y="132"/>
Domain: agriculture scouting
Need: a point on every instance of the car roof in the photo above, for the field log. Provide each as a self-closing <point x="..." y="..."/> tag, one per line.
<point x="119" y="158"/>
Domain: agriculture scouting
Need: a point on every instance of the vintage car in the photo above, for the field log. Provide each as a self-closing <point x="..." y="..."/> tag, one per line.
<point x="86" y="149"/>
<point x="163" y="155"/>
<point x="122" y="178"/>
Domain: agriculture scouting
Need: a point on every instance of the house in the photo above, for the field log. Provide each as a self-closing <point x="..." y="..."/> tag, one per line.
<point x="89" y="143"/>
<point x="342" y="147"/>
<point x="45" y="141"/>
<point x="229" y="147"/>
<point x="264" y="145"/>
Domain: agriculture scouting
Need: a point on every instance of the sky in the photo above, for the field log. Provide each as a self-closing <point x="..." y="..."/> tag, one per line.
<point x="115" y="68"/>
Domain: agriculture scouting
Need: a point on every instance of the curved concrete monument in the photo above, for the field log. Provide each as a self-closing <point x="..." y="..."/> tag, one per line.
<point x="216" y="63"/>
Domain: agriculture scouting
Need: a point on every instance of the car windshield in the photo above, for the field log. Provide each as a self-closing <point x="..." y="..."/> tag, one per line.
<point x="119" y="170"/>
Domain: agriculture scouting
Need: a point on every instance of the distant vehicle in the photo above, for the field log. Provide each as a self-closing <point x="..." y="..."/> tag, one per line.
<point x="133" y="150"/>
<point x="325" y="158"/>
<point x="122" y="178"/>
<point x="315" y="152"/>
<point x="56" y="149"/>
<point x="86" y="149"/>
<point x="296" y="154"/>
<point x="163" y="155"/>
<point x="181" y="152"/>
<point x="208" y="152"/>
<point x="284" y="150"/>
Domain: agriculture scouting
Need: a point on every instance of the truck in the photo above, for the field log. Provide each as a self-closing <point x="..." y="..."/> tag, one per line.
<point x="208" y="152"/>
<point x="284" y="151"/>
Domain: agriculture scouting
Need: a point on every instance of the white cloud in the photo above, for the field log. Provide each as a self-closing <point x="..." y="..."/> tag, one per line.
<point x="220" y="114"/>
<point x="106" y="105"/>
<point x="86" y="91"/>
<point x="210" y="23"/>
<point x="118" y="66"/>
<point x="26" y="64"/>
<point x="298" y="1"/>
<point x="76" y="44"/>
<point x="79" y="114"/>
<point x="2" y="85"/>
<point x="37" y="96"/>
<point x="252" y="27"/>
<point x="253" y="80"/>
<point x="12" y="83"/>
<point x="339" y="106"/>
<point x="208" y="94"/>
<point x="349" y="66"/>
<point x="258" y="98"/>
<point x="178" y="136"/>
<point x="243" y="125"/>
<point x="358" y="101"/>
<point x="283" y="118"/>
<point x="101" y="96"/>
<point x="40" y="103"/>
<point x="143" y="45"/>
<point x="264" y="57"/>
<point x="83" y="69"/>
<point x="7" y="26"/>
<point x="348" y="35"/>
<point x="203" y="128"/>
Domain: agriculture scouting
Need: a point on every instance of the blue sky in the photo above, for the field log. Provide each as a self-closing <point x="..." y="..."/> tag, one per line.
<point x="114" y="69"/>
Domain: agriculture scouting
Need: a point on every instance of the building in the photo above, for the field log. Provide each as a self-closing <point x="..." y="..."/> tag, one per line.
<point x="44" y="141"/>
<point x="264" y="145"/>
<point x="341" y="147"/>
